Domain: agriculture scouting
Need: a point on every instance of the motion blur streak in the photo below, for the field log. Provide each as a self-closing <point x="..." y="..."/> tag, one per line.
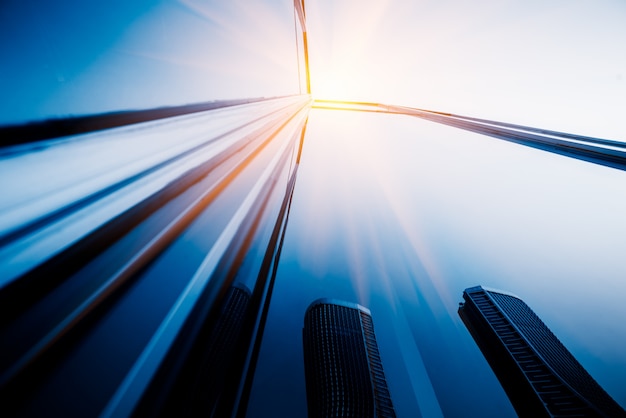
<point x="79" y="244"/>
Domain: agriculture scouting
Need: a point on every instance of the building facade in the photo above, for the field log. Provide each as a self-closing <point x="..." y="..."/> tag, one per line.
<point x="344" y="373"/>
<point x="540" y="376"/>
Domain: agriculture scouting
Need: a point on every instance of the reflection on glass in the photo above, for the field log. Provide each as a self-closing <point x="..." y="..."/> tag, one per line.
<point x="216" y="351"/>
<point x="540" y="376"/>
<point x="74" y="58"/>
<point x="215" y="356"/>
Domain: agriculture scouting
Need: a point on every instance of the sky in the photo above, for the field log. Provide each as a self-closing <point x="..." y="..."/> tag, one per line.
<point x="554" y="64"/>
<point x="401" y="215"/>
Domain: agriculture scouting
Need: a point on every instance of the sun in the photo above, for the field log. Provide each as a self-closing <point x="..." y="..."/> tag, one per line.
<point x="338" y="82"/>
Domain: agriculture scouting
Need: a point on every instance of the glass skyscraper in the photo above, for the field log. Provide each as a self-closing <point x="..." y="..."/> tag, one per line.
<point x="344" y="373"/>
<point x="540" y="376"/>
<point x="177" y="186"/>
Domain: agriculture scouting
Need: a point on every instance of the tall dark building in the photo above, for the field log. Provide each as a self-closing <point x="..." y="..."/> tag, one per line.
<point x="540" y="376"/>
<point x="200" y="382"/>
<point x="344" y="373"/>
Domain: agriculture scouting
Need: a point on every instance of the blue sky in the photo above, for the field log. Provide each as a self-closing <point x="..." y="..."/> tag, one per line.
<point x="401" y="215"/>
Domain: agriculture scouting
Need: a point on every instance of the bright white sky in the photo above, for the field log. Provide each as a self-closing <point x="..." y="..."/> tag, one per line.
<point x="557" y="64"/>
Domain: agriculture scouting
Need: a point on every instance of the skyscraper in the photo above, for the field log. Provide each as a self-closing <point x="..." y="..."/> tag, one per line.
<point x="199" y="381"/>
<point x="344" y="373"/>
<point x="540" y="376"/>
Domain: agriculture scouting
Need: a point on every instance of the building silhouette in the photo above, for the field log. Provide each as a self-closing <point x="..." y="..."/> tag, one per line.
<point x="201" y="384"/>
<point x="540" y="376"/>
<point x="221" y="348"/>
<point x="344" y="373"/>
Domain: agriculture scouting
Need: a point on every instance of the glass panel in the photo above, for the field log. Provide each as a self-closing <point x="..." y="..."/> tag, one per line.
<point x="68" y="57"/>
